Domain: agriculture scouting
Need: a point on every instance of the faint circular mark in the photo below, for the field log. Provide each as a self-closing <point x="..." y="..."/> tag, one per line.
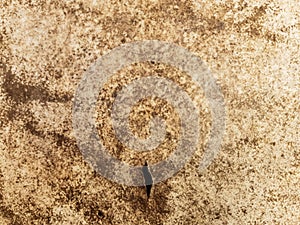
<point x="97" y="76"/>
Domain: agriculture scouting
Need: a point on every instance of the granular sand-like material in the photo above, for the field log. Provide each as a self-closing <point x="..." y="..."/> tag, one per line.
<point x="251" y="47"/>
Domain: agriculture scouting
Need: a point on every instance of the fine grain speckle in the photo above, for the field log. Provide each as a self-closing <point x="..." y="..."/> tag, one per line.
<point x="252" y="49"/>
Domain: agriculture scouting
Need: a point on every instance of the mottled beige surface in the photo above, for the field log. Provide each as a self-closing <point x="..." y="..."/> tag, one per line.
<point x="252" y="48"/>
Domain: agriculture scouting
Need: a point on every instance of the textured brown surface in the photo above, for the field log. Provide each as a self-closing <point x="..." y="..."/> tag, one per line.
<point x="252" y="48"/>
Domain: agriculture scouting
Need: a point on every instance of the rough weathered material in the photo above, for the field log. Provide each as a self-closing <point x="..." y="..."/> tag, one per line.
<point x="251" y="47"/>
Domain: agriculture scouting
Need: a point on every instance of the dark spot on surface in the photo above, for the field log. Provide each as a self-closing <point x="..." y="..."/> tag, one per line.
<point x="100" y="213"/>
<point x="92" y="214"/>
<point x="244" y="210"/>
<point x="92" y="211"/>
<point x="249" y="141"/>
<point x="217" y="215"/>
<point x="31" y="126"/>
<point x="245" y="140"/>
<point x="62" y="139"/>
<point x="114" y="94"/>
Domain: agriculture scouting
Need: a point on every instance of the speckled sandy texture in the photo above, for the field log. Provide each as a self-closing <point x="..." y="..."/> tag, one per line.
<point x="252" y="48"/>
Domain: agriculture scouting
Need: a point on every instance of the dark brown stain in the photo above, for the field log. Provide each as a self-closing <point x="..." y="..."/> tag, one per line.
<point x="60" y="139"/>
<point x="31" y="127"/>
<point x="7" y="213"/>
<point x="20" y="94"/>
<point x="253" y="25"/>
<point x="23" y="93"/>
<point x="125" y="22"/>
<point x="253" y="22"/>
<point x="186" y="19"/>
<point x="160" y="211"/>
